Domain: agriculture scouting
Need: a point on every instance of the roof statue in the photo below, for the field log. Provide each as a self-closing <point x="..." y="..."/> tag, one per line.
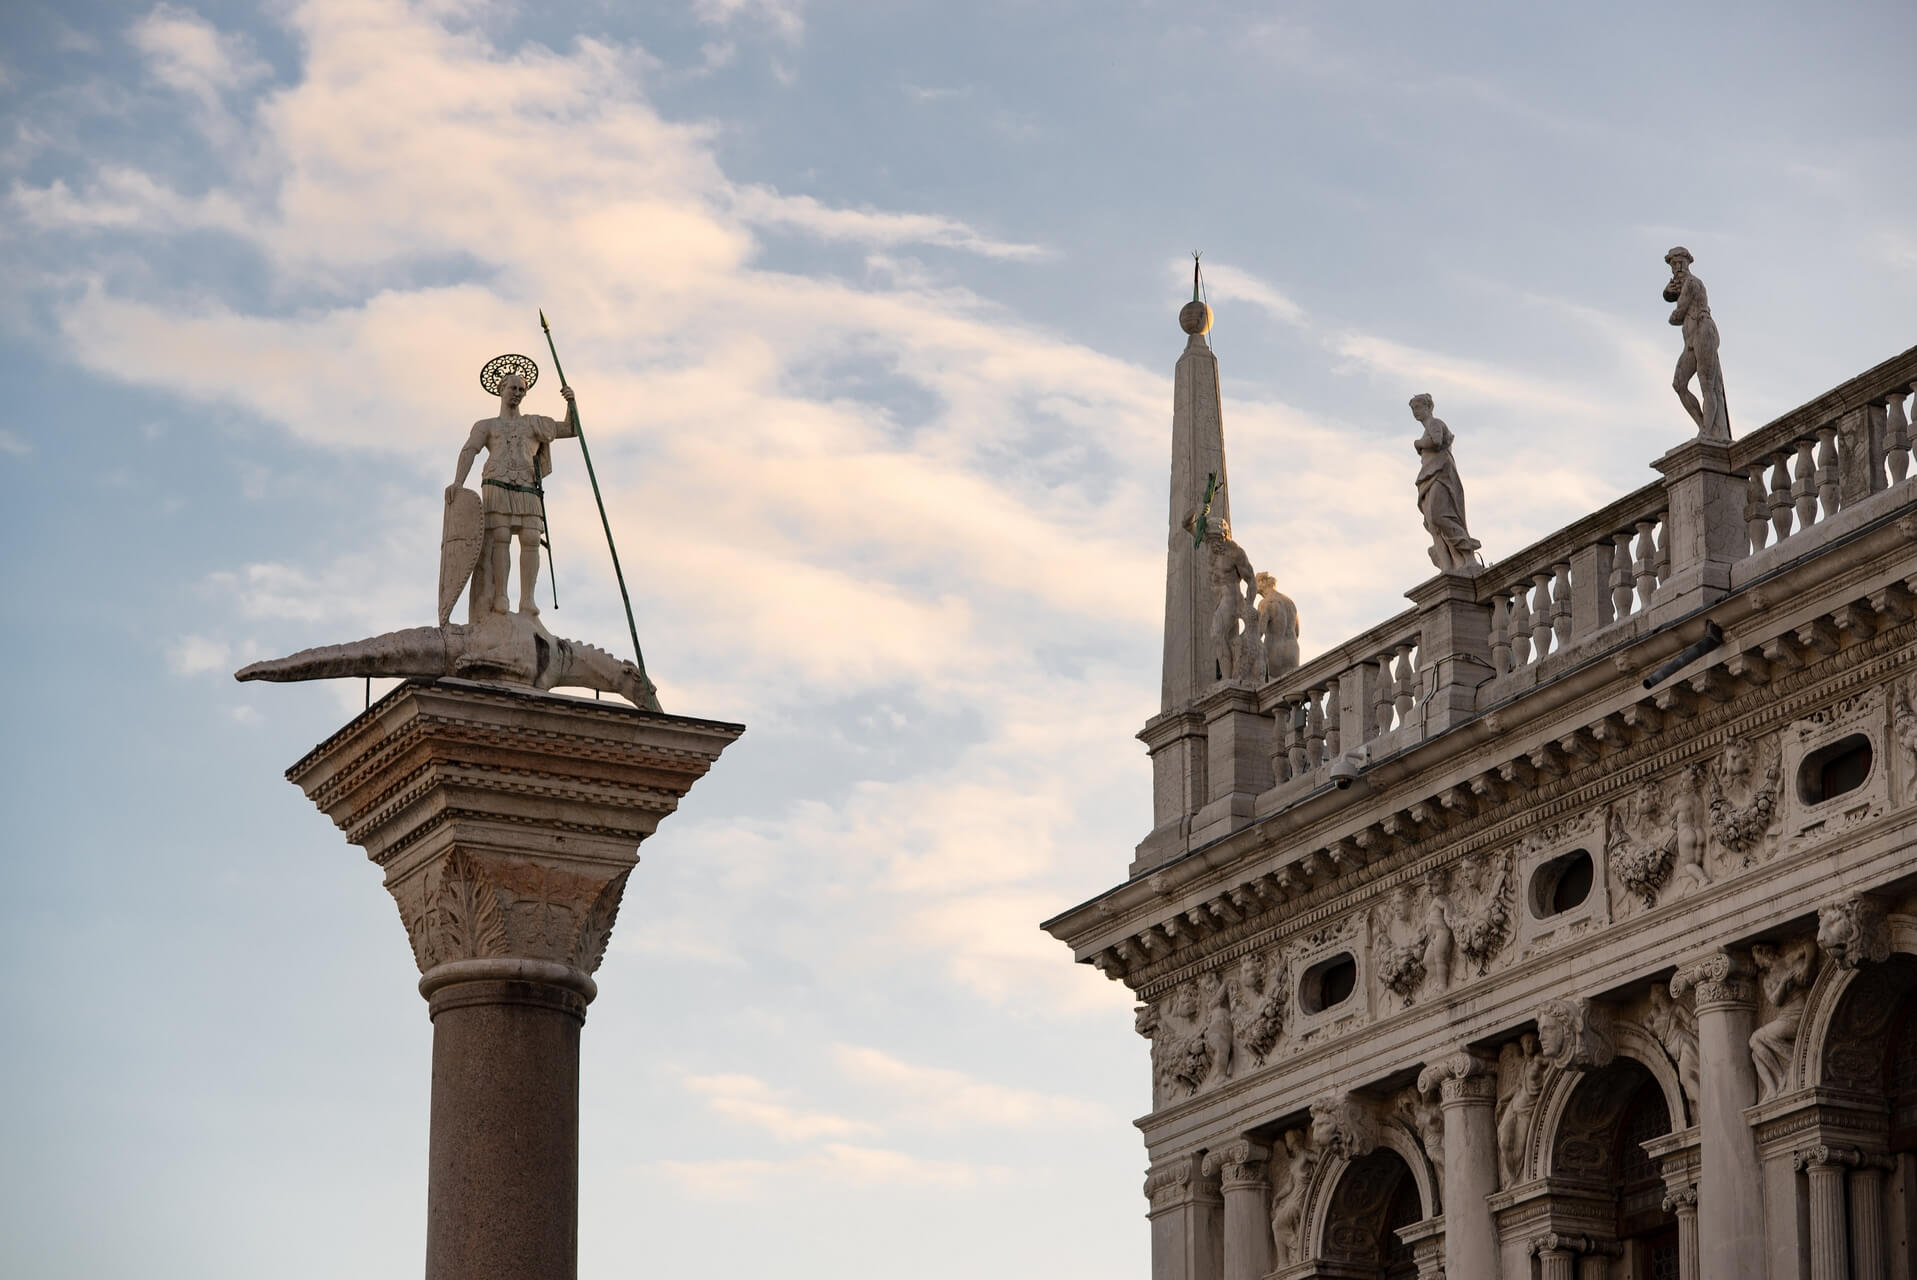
<point x="495" y="643"/>
<point x="1441" y="493"/>
<point x="1693" y="312"/>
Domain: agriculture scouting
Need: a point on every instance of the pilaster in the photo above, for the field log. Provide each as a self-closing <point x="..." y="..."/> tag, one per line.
<point x="1187" y="1217"/>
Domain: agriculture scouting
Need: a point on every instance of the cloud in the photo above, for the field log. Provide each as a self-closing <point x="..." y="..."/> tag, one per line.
<point x="750" y="1101"/>
<point x="784" y="18"/>
<point x="186" y="53"/>
<point x="13" y="445"/>
<point x="196" y="655"/>
<point x="836" y="1162"/>
<point x="941" y="1098"/>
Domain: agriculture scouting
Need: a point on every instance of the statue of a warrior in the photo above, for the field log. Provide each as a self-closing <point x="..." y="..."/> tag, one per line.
<point x="518" y="456"/>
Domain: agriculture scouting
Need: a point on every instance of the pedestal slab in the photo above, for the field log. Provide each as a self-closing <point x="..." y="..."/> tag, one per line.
<point x="506" y="821"/>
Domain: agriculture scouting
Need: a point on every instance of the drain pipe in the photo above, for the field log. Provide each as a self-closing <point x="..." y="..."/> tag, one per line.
<point x="1713" y="638"/>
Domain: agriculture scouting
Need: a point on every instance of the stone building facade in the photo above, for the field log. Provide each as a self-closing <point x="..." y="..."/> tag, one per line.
<point x="1564" y="925"/>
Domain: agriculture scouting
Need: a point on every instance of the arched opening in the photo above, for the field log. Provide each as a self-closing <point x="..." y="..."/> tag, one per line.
<point x="1599" y="1143"/>
<point x="1376" y="1197"/>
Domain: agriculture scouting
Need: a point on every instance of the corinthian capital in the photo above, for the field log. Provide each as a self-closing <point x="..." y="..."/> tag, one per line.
<point x="1721" y="977"/>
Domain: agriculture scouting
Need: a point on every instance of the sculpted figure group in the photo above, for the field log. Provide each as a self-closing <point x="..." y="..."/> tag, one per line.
<point x="1254" y="626"/>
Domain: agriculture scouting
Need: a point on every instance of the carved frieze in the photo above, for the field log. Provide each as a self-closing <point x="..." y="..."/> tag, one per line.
<point x="1742" y="800"/>
<point x="1809" y="817"/>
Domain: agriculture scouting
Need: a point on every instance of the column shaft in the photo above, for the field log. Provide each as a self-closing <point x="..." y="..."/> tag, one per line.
<point x="502" y="1192"/>
<point x="1730" y="1189"/>
<point x="1687" y="1242"/>
<point x="1829" y="1234"/>
<point x="1867" y="1221"/>
<point x="1594" y="1266"/>
<point x="1240" y="1168"/>
<point x="1554" y="1264"/>
<point x="1469" y="1096"/>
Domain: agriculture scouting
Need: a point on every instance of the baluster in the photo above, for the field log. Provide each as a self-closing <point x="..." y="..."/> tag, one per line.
<point x="1897" y="438"/>
<point x="1561" y="602"/>
<point x="1541" y="614"/>
<point x="1407" y="682"/>
<point x="1621" y="575"/>
<point x="1500" y="633"/>
<point x="1781" y="495"/>
<point x="1646" y="563"/>
<point x="1804" y="485"/>
<point x="1334" y="721"/>
<point x="1663" y="547"/>
<point x="1757" y="509"/>
<point x="1520" y="625"/>
<point x="1382" y="708"/>
<point x="1295" y="736"/>
<point x="1315" y="726"/>
<point x="1827" y="496"/>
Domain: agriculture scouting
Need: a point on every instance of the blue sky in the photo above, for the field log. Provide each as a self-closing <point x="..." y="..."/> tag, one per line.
<point x="871" y="313"/>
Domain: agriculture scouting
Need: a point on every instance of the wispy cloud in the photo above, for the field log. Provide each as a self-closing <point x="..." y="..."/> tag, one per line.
<point x="784" y="18"/>
<point x="750" y="1101"/>
<point x="13" y="446"/>
<point x="836" y="1163"/>
<point x="196" y="655"/>
<point x="940" y="1098"/>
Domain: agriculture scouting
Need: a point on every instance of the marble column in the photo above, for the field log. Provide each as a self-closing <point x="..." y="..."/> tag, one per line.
<point x="1730" y="1187"/>
<point x="1240" y="1168"/>
<point x="1826" y="1168"/>
<point x="1867" y="1254"/>
<point x="1187" y="1217"/>
<point x="1557" y="1256"/>
<point x="1466" y="1082"/>
<point x="1684" y="1204"/>
<point x="506" y="822"/>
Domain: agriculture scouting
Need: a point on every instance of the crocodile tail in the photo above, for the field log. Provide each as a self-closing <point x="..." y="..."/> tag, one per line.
<point x="416" y="651"/>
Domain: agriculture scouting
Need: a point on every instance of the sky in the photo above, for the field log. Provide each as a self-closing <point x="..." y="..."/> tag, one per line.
<point x="871" y="312"/>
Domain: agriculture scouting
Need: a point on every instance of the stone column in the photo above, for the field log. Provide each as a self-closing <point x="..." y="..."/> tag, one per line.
<point x="1684" y="1204"/>
<point x="1730" y="1187"/>
<point x="1240" y="1168"/>
<point x="506" y="822"/>
<point x="1187" y="1221"/>
<point x="1557" y="1256"/>
<point x="1467" y="1085"/>
<point x="1867" y="1259"/>
<point x="1829" y="1230"/>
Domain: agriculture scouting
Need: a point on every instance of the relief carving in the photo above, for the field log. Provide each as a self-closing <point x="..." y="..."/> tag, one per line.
<point x="1903" y="725"/>
<point x="1437" y="930"/>
<point x="1852" y="931"/>
<point x="1521" y="1068"/>
<point x="1575" y="1033"/>
<point x="1743" y="796"/>
<point x="1641" y="844"/>
<point x="1291" y="1174"/>
<point x="1482" y="923"/>
<point x="1784" y="975"/>
<point x="463" y="920"/>
<point x="1400" y="941"/>
<point x="1344" y="1124"/>
<point x="1258" y="1007"/>
<point x="1674" y="1023"/>
<point x="1424" y="1116"/>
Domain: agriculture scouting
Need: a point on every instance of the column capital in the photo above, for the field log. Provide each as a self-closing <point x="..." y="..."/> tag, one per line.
<point x="1461" y="1077"/>
<point x="1560" y="1245"/>
<point x="1239" y="1163"/>
<point x="1721" y="979"/>
<point x="1824" y="1156"/>
<point x="506" y="820"/>
<point x="1683" y="1200"/>
<point x="1179" y="1181"/>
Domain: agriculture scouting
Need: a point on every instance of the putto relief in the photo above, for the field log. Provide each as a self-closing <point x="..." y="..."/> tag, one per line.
<point x="1481" y="908"/>
<point x="1401" y="934"/>
<point x="1206" y="1031"/>
<point x="1258" y="1006"/>
<point x="1742" y="801"/>
<point x="1656" y="839"/>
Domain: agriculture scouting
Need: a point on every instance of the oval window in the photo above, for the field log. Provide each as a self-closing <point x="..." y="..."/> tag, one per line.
<point x="1829" y="772"/>
<point x="1329" y="982"/>
<point x="1561" y="885"/>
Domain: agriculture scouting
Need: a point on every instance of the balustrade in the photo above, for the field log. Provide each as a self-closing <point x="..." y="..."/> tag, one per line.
<point x="1337" y="701"/>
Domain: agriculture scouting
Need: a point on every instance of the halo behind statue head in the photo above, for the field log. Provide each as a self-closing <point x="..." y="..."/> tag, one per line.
<point x="499" y="366"/>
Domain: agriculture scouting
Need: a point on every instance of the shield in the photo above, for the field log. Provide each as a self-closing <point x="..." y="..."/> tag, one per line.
<point x="459" y="544"/>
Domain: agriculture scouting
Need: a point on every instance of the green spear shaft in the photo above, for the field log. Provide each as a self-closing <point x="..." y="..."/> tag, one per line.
<point x="572" y="411"/>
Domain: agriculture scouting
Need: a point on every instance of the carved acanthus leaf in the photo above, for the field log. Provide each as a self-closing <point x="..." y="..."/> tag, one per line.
<point x="464" y="920"/>
<point x="595" y="932"/>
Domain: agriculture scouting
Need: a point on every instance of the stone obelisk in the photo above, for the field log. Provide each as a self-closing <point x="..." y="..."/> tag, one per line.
<point x="506" y="818"/>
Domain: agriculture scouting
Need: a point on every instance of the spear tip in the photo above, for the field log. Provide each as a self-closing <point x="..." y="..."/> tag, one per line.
<point x="542" y="320"/>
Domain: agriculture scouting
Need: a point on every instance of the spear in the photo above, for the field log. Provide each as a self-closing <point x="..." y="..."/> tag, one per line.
<point x="572" y="412"/>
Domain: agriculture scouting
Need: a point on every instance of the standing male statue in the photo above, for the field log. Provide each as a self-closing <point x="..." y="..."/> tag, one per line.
<point x="1234" y="591"/>
<point x="518" y="456"/>
<point x="1693" y="312"/>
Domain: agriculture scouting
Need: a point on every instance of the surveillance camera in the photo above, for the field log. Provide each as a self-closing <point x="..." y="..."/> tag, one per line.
<point x="1346" y="768"/>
